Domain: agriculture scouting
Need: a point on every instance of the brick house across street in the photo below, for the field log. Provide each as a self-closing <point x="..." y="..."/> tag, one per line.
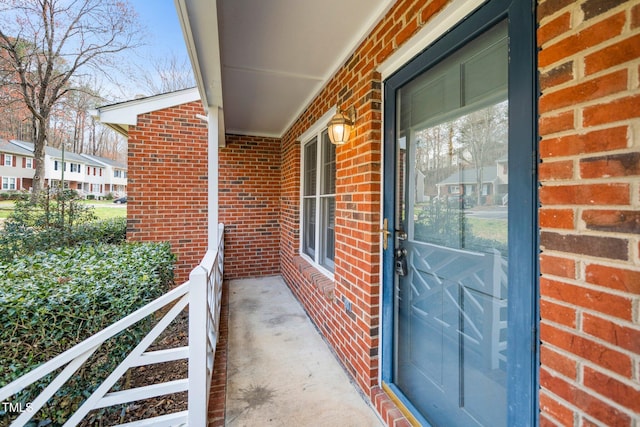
<point x="442" y="314"/>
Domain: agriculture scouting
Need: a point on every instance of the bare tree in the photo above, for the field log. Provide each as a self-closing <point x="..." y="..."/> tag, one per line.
<point x="46" y="44"/>
<point x="483" y="134"/>
<point x="76" y="105"/>
<point x="169" y="74"/>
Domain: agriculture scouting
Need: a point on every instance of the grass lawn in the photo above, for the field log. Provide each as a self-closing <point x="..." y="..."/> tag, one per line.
<point x="492" y="229"/>
<point x="6" y="206"/>
<point x="102" y="208"/>
<point x="106" y="208"/>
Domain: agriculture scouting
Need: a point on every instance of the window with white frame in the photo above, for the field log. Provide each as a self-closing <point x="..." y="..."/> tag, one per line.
<point x="75" y="167"/>
<point x="318" y="199"/>
<point x="8" y="160"/>
<point x="28" y="163"/>
<point x="8" y="183"/>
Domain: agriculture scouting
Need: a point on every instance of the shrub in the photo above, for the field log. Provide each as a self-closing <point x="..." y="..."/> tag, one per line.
<point x="10" y="195"/>
<point x="50" y="301"/>
<point x="50" y="209"/>
<point x="18" y="240"/>
<point x="55" y="221"/>
<point x="112" y="230"/>
<point x="444" y="224"/>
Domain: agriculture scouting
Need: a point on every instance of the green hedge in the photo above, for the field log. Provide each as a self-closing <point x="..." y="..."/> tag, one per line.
<point x="11" y="195"/>
<point x="112" y="230"/>
<point x="18" y="239"/>
<point x="50" y="301"/>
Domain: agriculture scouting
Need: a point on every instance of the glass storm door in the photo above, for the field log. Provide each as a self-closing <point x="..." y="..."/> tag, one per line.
<point x="451" y="303"/>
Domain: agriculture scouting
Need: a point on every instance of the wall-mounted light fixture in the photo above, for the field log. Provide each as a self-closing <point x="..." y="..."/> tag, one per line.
<point x="341" y="125"/>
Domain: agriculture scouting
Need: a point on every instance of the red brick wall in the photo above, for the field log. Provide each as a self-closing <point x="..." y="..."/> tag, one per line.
<point x="167" y="188"/>
<point x="249" y="181"/>
<point x="167" y="183"/>
<point x="590" y="215"/>
<point x="589" y="219"/>
<point x="354" y="336"/>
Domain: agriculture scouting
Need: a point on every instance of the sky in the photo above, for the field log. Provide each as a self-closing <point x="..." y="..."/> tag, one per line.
<point x="164" y="39"/>
<point x="163" y="42"/>
<point x="161" y="20"/>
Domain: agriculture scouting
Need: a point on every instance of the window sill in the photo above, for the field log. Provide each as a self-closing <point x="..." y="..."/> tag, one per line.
<point x="323" y="283"/>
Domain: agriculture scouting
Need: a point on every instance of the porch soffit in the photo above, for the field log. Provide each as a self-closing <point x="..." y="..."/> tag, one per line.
<point x="263" y="62"/>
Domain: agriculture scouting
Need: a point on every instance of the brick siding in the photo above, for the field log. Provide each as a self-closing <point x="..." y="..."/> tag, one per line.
<point x="167" y="183"/>
<point x="589" y="126"/>
<point x="249" y="198"/>
<point x="353" y="335"/>
<point x="168" y="192"/>
<point x="589" y="214"/>
<point x="590" y="104"/>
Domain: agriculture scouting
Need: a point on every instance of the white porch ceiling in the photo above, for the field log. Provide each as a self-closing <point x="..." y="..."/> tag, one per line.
<point x="263" y="61"/>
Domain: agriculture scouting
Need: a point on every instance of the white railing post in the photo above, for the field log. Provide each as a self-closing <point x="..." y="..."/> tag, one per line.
<point x="198" y="393"/>
<point x="220" y="265"/>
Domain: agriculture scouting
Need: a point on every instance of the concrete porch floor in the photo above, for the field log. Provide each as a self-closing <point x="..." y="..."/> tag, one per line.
<point x="280" y="372"/>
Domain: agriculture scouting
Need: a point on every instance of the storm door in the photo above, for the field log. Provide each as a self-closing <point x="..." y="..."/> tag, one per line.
<point x="450" y="157"/>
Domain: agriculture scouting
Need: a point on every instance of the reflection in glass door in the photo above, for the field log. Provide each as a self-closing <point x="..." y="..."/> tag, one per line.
<point x="452" y="215"/>
<point x="459" y="303"/>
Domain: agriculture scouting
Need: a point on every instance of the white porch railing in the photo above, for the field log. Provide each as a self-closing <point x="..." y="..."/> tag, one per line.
<point x="202" y="292"/>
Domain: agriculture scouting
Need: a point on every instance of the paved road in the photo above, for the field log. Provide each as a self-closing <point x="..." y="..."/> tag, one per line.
<point x="488" y="213"/>
<point x="112" y="205"/>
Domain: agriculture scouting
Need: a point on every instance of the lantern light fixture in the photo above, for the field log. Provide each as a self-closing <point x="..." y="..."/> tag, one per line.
<point x="341" y="125"/>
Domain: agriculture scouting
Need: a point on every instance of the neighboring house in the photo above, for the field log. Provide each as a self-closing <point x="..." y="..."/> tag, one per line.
<point x="105" y="176"/>
<point x="433" y="325"/>
<point x="16" y="167"/>
<point x="95" y="177"/>
<point x="89" y="175"/>
<point x="494" y="184"/>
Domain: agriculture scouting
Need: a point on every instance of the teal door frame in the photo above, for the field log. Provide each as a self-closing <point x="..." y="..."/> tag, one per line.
<point x="523" y="315"/>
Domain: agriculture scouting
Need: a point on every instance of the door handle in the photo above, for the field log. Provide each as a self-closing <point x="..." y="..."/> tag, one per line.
<point x="385" y="234"/>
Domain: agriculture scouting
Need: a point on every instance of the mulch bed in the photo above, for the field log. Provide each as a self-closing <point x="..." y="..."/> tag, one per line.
<point x="176" y="335"/>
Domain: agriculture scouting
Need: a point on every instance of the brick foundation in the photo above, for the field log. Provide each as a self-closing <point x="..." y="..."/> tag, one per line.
<point x="218" y="392"/>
